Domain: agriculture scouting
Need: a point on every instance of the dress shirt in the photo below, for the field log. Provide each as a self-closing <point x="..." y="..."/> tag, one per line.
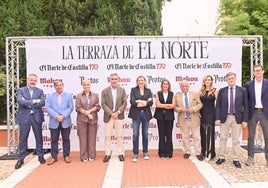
<point x="258" y="88"/>
<point x="114" y="92"/>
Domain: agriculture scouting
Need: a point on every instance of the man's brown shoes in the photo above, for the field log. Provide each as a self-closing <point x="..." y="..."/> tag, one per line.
<point x="67" y="159"/>
<point x="52" y="161"/>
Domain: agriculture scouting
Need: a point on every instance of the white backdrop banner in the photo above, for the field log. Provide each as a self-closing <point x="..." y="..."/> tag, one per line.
<point x="73" y="59"/>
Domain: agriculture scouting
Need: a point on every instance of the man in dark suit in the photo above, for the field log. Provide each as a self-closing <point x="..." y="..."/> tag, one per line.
<point x="231" y="113"/>
<point x="30" y="114"/>
<point x="257" y="90"/>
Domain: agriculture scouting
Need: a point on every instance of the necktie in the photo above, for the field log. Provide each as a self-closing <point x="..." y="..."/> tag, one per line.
<point x="186" y="102"/>
<point x="231" y="110"/>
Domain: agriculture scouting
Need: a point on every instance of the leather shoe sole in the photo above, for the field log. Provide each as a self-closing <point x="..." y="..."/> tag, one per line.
<point x="52" y="161"/>
<point x="200" y="157"/>
<point x="220" y="161"/>
<point x="186" y="156"/>
<point x="19" y="164"/>
<point x="67" y="159"/>
<point x="237" y="164"/>
<point x="121" y="158"/>
<point x="106" y="158"/>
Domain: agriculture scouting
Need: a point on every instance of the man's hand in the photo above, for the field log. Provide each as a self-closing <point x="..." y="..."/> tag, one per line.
<point x="60" y="118"/>
<point x="244" y="124"/>
<point x="115" y="115"/>
<point x="218" y="122"/>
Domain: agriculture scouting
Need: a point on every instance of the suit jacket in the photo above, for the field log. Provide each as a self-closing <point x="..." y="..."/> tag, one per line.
<point x="135" y="95"/>
<point x="54" y="109"/>
<point x="82" y="102"/>
<point x="251" y="97"/>
<point x="195" y="104"/>
<point x="107" y="103"/>
<point x="162" y="113"/>
<point x="26" y="105"/>
<point x="241" y="105"/>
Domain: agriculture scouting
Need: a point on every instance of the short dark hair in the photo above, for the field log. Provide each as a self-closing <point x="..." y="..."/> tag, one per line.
<point x="257" y="65"/>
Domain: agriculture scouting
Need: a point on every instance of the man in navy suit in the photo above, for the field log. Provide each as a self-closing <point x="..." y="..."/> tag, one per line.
<point x="231" y="113"/>
<point x="30" y="114"/>
<point x="258" y="110"/>
<point x="59" y="106"/>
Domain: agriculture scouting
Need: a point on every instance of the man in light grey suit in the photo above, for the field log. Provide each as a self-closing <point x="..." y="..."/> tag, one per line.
<point x="59" y="106"/>
<point x="231" y="113"/>
<point x="113" y="103"/>
<point x="30" y="114"/>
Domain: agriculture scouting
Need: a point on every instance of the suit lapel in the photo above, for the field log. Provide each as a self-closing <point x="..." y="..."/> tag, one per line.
<point x="190" y="99"/>
<point x="181" y="99"/>
<point x="110" y="97"/>
<point x="252" y="90"/>
<point x="55" y="99"/>
<point x="27" y="93"/>
<point x="263" y="88"/>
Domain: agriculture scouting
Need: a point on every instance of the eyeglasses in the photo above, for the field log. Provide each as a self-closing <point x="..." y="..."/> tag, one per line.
<point x="259" y="70"/>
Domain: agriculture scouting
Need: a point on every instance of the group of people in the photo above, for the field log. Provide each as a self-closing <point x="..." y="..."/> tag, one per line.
<point x="197" y="113"/>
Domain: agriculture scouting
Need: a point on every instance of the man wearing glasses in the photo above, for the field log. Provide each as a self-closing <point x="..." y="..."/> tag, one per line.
<point x="257" y="90"/>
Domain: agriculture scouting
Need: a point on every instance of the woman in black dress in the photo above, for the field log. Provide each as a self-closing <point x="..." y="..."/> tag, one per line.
<point x="208" y="96"/>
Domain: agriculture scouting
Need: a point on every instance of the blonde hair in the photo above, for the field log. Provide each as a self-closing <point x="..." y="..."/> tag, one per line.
<point x="145" y="85"/>
<point x="203" y="90"/>
<point x="86" y="82"/>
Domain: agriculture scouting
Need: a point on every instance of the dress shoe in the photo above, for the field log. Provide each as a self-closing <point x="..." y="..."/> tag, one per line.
<point x="121" y="158"/>
<point x="41" y="160"/>
<point x="237" y="164"/>
<point x="19" y="164"/>
<point x="186" y="156"/>
<point x="212" y="156"/>
<point x="200" y="157"/>
<point x="106" y="158"/>
<point x="220" y="161"/>
<point x="67" y="159"/>
<point x="52" y="161"/>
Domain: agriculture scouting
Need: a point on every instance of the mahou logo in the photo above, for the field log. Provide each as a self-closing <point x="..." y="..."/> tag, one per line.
<point x="191" y="80"/>
<point x="122" y="81"/>
<point x="48" y="82"/>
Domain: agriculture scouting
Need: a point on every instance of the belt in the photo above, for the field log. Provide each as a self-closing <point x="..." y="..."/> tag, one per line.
<point x="142" y="111"/>
<point x="259" y="109"/>
<point x="231" y="114"/>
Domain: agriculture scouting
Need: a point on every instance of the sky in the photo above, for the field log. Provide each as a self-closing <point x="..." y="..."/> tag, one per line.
<point x="190" y="17"/>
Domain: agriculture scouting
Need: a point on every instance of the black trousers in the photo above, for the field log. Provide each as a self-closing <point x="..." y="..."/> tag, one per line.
<point x="55" y="134"/>
<point x="165" y="147"/>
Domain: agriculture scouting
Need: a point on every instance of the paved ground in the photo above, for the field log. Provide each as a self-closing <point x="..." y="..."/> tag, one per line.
<point x="225" y="175"/>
